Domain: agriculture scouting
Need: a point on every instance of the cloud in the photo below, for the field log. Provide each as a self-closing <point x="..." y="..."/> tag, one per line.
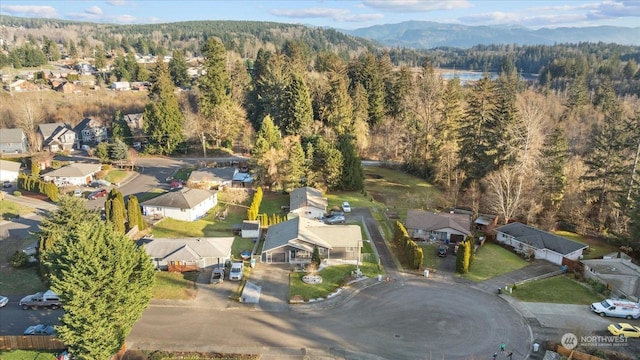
<point x="117" y="2"/>
<point x="416" y="5"/>
<point x="94" y="10"/>
<point x="340" y="15"/>
<point x="29" y="10"/>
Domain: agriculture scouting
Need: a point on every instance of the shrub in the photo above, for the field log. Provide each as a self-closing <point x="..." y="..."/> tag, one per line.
<point x="106" y="167"/>
<point x="19" y="259"/>
<point x="17" y="193"/>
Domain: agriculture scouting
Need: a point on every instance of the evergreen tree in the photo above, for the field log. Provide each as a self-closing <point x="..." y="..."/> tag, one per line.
<point x="118" y="150"/>
<point x="337" y="107"/>
<point x="115" y="210"/>
<point x="73" y="50"/>
<point x="163" y="119"/>
<point x="104" y="280"/>
<point x="365" y="71"/>
<point x="120" y="68"/>
<point x="327" y="164"/>
<point x="102" y="152"/>
<point x="134" y="214"/>
<point x="451" y="113"/>
<point x="556" y="156"/>
<point x="294" y="167"/>
<point x="178" y="69"/>
<point x="352" y="173"/>
<point x="296" y="116"/>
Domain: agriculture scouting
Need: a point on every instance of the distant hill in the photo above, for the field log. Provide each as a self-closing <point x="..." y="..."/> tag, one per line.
<point x="427" y="35"/>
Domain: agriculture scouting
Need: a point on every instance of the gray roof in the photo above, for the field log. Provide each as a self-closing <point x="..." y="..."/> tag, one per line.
<point x="10" y="166"/>
<point x="185" y="198"/>
<point x="431" y="221"/>
<point x="47" y="130"/>
<point x="171" y="249"/>
<point x="307" y="196"/>
<point x="305" y="233"/>
<point x="212" y="175"/>
<point x="250" y="225"/>
<point x="540" y="239"/>
<point x="74" y="170"/>
<point x="11" y="135"/>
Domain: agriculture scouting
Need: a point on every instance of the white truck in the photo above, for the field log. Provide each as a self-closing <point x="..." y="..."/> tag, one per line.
<point x="617" y="308"/>
<point x="47" y="299"/>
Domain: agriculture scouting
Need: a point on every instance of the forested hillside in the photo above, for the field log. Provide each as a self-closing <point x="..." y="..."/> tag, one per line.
<point x="565" y="148"/>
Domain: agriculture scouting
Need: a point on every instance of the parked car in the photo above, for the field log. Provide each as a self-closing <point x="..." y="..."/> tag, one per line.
<point x="335" y="212"/>
<point x="99" y="183"/>
<point x="40" y="329"/>
<point x="7" y="184"/>
<point x="236" y="271"/>
<point x="77" y="192"/>
<point x="176" y="184"/>
<point x="42" y="299"/>
<point x="346" y="207"/>
<point x="337" y="219"/>
<point x="442" y="251"/>
<point x="217" y="276"/>
<point x="627" y="330"/>
<point x="3" y="301"/>
<point x="97" y="194"/>
<point x="617" y="308"/>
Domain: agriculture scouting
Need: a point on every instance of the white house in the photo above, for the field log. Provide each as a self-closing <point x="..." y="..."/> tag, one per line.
<point x="307" y="202"/>
<point x="445" y="226"/>
<point x="188" y="253"/>
<point x="9" y="170"/>
<point x="250" y="229"/>
<point x="73" y="174"/>
<point x="543" y="245"/>
<point x="185" y="204"/>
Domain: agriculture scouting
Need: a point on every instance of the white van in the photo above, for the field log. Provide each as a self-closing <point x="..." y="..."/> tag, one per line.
<point x="617" y="308"/>
<point x="236" y="271"/>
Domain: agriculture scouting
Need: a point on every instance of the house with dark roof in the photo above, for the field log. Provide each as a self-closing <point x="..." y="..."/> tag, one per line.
<point x="73" y="174"/>
<point x="13" y="141"/>
<point x="185" y="204"/>
<point x="307" y="202"/>
<point x="541" y="244"/>
<point x="187" y="254"/>
<point x="57" y="137"/>
<point x="444" y="226"/>
<point x="293" y="241"/>
<point x="250" y="229"/>
<point x="90" y="132"/>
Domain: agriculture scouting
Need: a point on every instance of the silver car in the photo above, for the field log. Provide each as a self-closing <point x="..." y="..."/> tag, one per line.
<point x="336" y="219"/>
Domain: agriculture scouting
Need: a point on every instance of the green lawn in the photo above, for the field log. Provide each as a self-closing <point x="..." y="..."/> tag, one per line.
<point x="20" y="281"/>
<point x="27" y="354"/>
<point x="333" y="277"/>
<point x="116" y="176"/>
<point x="493" y="260"/>
<point x="558" y="289"/>
<point x="240" y="244"/>
<point x="430" y="258"/>
<point x="175" y="286"/>
<point x="399" y="191"/>
<point x="596" y="249"/>
<point x="10" y="209"/>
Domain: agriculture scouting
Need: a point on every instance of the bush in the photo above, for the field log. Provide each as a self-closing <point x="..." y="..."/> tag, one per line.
<point x="106" y="167"/>
<point x="17" y="193"/>
<point x="19" y="259"/>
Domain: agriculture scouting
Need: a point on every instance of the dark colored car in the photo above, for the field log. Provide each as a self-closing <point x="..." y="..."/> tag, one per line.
<point x="6" y="184"/>
<point x="40" y="329"/>
<point x="442" y="251"/>
<point x="97" y="194"/>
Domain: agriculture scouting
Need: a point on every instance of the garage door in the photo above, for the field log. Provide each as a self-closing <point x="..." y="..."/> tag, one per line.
<point x="456" y="238"/>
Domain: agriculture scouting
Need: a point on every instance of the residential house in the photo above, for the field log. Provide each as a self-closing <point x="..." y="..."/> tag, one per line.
<point x="57" y="137"/>
<point x="211" y="178"/>
<point x="250" y="229"/>
<point x="135" y="123"/>
<point x="540" y="244"/>
<point x="187" y="254"/>
<point x="22" y="86"/>
<point x="618" y="273"/>
<point x="66" y="87"/>
<point x="444" y="226"/>
<point x="9" y="170"/>
<point x="307" y="202"/>
<point x="90" y="132"/>
<point x="293" y="242"/>
<point x="79" y="174"/>
<point x="241" y="179"/>
<point x="185" y="204"/>
<point x="121" y="86"/>
<point x="13" y="141"/>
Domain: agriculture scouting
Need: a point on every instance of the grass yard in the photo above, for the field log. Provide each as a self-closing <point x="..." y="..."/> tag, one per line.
<point x="10" y="209"/>
<point x="27" y="354"/>
<point x="175" y="286"/>
<point x="332" y="278"/>
<point x="116" y="176"/>
<point x="20" y="281"/>
<point x="597" y="248"/>
<point x="493" y="260"/>
<point x="240" y="244"/>
<point x="430" y="258"/>
<point x="558" y="289"/>
<point x="398" y="190"/>
<point x="272" y="202"/>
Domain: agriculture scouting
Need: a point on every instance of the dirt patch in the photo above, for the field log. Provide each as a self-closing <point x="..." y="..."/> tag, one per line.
<point x="167" y="355"/>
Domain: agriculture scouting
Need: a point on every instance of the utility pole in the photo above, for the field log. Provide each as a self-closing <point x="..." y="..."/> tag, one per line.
<point x="204" y="145"/>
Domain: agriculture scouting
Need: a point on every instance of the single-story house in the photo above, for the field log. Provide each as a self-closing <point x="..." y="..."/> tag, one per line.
<point x="9" y="170"/>
<point x="73" y="174"/>
<point x="444" y="226"/>
<point x="187" y="254"/>
<point x="13" y="141"/>
<point x="618" y="273"/>
<point x="308" y="202"/>
<point x="250" y="229"/>
<point x="211" y="177"/>
<point x="543" y="245"/>
<point x="293" y="241"/>
<point x="185" y="204"/>
<point x="57" y="136"/>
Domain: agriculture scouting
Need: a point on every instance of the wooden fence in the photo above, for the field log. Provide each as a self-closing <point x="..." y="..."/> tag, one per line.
<point x="36" y="342"/>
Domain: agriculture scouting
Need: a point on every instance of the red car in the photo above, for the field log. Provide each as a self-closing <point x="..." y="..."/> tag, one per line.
<point x="97" y="194"/>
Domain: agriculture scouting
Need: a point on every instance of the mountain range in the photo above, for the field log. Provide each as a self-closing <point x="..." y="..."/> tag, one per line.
<point x="427" y="35"/>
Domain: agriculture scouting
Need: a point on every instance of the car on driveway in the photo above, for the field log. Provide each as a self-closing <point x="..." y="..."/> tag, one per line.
<point x="346" y="207"/>
<point x="217" y="276"/>
<point x="6" y="184"/>
<point x="99" y="183"/>
<point x="236" y="271"/>
<point x="3" y="301"/>
<point x="442" y="251"/>
<point x="627" y="330"/>
<point x="77" y="192"/>
<point x="97" y="194"/>
<point x="336" y="219"/>
<point x="40" y="329"/>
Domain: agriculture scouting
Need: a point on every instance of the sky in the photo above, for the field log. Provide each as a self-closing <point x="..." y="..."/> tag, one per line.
<point x="341" y="14"/>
